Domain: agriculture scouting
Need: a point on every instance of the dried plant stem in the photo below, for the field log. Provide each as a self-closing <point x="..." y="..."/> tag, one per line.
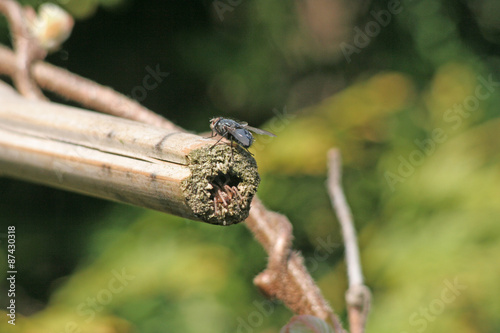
<point x="29" y="75"/>
<point x="122" y="160"/>
<point x="286" y="278"/>
<point x="358" y="296"/>
<point x="27" y="49"/>
<point x="84" y="91"/>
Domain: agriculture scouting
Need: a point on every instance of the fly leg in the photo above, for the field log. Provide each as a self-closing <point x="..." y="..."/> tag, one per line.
<point x="248" y="151"/>
<point x="215" y="144"/>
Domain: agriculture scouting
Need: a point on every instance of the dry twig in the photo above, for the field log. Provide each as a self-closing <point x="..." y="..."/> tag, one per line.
<point x="28" y="75"/>
<point x="286" y="278"/>
<point x="26" y="47"/>
<point x="85" y="92"/>
<point x="358" y="295"/>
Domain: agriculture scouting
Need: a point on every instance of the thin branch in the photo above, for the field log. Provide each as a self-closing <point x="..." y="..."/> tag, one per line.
<point x="358" y="296"/>
<point x="26" y="47"/>
<point x="286" y="278"/>
<point x="85" y="92"/>
<point x="345" y="218"/>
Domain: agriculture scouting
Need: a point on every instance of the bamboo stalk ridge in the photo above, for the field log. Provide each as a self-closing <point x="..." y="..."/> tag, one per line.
<point x="124" y="161"/>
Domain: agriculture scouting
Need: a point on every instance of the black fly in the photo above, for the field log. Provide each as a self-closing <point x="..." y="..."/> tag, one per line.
<point x="235" y="131"/>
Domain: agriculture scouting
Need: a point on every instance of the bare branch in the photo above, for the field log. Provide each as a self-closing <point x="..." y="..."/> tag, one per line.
<point x="26" y="47"/>
<point x="286" y="278"/>
<point x="358" y="295"/>
<point x="345" y="218"/>
<point x="85" y="92"/>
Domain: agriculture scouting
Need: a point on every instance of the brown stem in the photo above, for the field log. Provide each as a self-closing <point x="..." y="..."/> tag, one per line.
<point x="26" y="47"/>
<point x="286" y="278"/>
<point x="85" y="92"/>
<point x="358" y="296"/>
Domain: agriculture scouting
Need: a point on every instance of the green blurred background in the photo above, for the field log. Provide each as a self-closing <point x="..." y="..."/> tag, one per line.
<point x="406" y="89"/>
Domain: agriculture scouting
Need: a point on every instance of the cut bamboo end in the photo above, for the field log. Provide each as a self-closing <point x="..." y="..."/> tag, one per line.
<point x="125" y="161"/>
<point x="214" y="168"/>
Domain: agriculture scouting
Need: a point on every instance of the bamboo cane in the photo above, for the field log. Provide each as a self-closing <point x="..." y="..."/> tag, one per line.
<point x="124" y="161"/>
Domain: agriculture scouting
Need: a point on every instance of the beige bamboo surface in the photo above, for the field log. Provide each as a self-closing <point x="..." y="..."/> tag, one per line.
<point x="95" y="154"/>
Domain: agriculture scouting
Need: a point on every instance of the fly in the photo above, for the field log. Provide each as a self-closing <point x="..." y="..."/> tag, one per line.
<point x="235" y="131"/>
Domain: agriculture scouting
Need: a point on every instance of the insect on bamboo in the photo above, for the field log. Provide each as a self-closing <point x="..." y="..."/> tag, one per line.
<point x="235" y="131"/>
<point x="125" y="161"/>
<point x="240" y="133"/>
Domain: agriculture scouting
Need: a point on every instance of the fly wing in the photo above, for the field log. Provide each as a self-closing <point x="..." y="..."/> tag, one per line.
<point x="258" y="130"/>
<point x="242" y="136"/>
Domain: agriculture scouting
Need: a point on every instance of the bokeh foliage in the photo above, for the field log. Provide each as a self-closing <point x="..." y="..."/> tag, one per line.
<point x="421" y="166"/>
